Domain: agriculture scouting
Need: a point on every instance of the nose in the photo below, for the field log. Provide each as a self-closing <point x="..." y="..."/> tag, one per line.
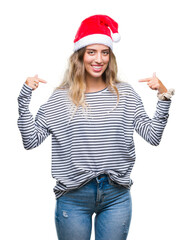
<point x="98" y="58"/>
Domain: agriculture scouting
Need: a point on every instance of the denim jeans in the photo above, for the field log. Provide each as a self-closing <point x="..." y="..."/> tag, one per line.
<point x="110" y="202"/>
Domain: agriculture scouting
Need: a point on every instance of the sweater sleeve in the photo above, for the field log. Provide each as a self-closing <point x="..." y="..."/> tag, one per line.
<point x="151" y="129"/>
<point x="33" y="131"/>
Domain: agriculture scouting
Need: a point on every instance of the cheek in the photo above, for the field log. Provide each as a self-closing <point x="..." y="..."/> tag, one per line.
<point x="86" y="65"/>
<point x="87" y="62"/>
<point x="87" y="59"/>
<point x="106" y="61"/>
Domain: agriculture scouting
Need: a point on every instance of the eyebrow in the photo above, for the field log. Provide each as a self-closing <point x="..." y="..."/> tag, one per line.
<point x="107" y="49"/>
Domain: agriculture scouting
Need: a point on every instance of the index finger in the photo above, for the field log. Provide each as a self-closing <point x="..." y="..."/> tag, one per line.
<point x="145" y="80"/>
<point x="41" y="80"/>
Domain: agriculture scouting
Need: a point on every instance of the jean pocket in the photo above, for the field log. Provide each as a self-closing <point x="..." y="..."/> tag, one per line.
<point x="113" y="183"/>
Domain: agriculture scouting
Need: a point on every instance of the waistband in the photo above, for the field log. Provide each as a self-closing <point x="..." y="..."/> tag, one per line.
<point x="102" y="177"/>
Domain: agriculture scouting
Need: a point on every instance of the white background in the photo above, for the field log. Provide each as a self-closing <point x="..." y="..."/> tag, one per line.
<point x="37" y="38"/>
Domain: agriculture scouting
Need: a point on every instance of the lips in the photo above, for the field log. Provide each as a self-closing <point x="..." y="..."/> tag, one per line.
<point x="97" y="68"/>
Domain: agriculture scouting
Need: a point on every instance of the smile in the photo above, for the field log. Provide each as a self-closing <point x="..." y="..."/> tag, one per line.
<point x="97" y="68"/>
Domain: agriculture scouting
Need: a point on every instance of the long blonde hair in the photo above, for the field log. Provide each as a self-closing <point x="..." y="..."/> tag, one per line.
<point x="74" y="78"/>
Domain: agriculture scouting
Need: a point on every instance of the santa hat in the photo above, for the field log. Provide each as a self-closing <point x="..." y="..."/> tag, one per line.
<point x="97" y="30"/>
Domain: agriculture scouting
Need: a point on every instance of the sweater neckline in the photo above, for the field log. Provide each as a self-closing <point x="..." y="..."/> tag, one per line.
<point x="98" y="92"/>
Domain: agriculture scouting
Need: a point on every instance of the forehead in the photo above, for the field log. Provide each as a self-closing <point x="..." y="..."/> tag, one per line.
<point x="97" y="47"/>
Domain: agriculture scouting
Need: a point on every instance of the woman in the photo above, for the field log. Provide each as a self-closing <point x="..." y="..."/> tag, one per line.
<point x="92" y="116"/>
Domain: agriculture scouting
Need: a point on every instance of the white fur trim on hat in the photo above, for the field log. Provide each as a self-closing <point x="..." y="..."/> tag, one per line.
<point x="93" y="39"/>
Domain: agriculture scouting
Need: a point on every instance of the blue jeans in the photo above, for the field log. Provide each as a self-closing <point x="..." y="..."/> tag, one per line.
<point x="109" y="201"/>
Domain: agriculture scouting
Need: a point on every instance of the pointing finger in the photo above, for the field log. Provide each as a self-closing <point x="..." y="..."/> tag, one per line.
<point x="145" y="80"/>
<point x="41" y="80"/>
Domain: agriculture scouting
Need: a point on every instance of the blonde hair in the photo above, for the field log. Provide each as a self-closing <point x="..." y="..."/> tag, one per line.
<point x="74" y="78"/>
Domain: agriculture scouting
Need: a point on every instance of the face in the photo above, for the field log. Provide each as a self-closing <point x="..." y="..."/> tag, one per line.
<point x="96" y="59"/>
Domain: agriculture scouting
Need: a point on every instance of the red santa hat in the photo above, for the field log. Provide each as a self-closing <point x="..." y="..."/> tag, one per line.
<point x="97" y="30"/>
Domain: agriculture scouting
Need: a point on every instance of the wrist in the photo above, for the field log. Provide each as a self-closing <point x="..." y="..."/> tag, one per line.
<point x="162" y="90"/>
<point x="166" y="95"/>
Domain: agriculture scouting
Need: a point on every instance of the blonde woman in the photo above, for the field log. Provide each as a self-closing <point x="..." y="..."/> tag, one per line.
<point x="91" y="117"/>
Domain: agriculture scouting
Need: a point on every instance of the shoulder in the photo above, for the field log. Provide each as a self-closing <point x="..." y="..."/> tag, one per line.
<point x="58" y="94"/>
<point x="59" y="98"/>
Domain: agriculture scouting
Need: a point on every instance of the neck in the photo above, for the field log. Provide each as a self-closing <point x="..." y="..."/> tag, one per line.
<point x="94" y="84"/>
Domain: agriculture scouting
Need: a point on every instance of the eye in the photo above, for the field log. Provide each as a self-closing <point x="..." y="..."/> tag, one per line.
<point x="105" y="53"/>
<point x="90" y="52"/>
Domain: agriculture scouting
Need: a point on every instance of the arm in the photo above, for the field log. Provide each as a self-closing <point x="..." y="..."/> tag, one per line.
<point x="33" y="132"/>
<point x="151" y="129"/>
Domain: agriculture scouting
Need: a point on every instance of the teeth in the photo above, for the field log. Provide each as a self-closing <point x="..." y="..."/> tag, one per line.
<point x="97" y="67"/>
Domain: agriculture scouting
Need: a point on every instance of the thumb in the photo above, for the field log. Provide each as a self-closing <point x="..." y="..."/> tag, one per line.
<point x="154" y="75"/>
<point x="36" y="76"/>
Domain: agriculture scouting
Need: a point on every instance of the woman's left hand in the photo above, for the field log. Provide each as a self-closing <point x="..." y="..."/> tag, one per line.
<point x="155" y="84"/>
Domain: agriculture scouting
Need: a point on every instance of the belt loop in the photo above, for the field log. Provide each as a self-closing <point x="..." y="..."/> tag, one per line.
<point x="97" y="179"/>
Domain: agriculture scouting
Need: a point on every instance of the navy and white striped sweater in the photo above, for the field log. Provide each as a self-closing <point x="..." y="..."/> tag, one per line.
<point x="91" y="144"/>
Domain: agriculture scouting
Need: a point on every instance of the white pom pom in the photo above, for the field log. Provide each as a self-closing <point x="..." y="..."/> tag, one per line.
<point x="116" y="37"/>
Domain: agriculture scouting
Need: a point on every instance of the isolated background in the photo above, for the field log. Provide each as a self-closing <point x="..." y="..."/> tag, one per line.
<point x="37" y="38"/>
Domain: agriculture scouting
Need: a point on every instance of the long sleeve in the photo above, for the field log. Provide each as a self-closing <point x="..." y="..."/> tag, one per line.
<point x="151" y="129"/>
<point x="33" y="131"/>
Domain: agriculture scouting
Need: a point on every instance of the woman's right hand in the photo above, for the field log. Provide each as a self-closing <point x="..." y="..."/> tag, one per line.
<point x="33" y="82"/>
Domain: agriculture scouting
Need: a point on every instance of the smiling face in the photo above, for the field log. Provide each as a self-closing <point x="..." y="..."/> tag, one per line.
<point x="96" y="59"/>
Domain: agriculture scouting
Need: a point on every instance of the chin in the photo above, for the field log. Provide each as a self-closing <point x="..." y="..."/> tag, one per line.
<point x="95" y="74"/>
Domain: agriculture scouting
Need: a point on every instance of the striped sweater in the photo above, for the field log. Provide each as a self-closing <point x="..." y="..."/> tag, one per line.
<point x="94" y="142"/>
